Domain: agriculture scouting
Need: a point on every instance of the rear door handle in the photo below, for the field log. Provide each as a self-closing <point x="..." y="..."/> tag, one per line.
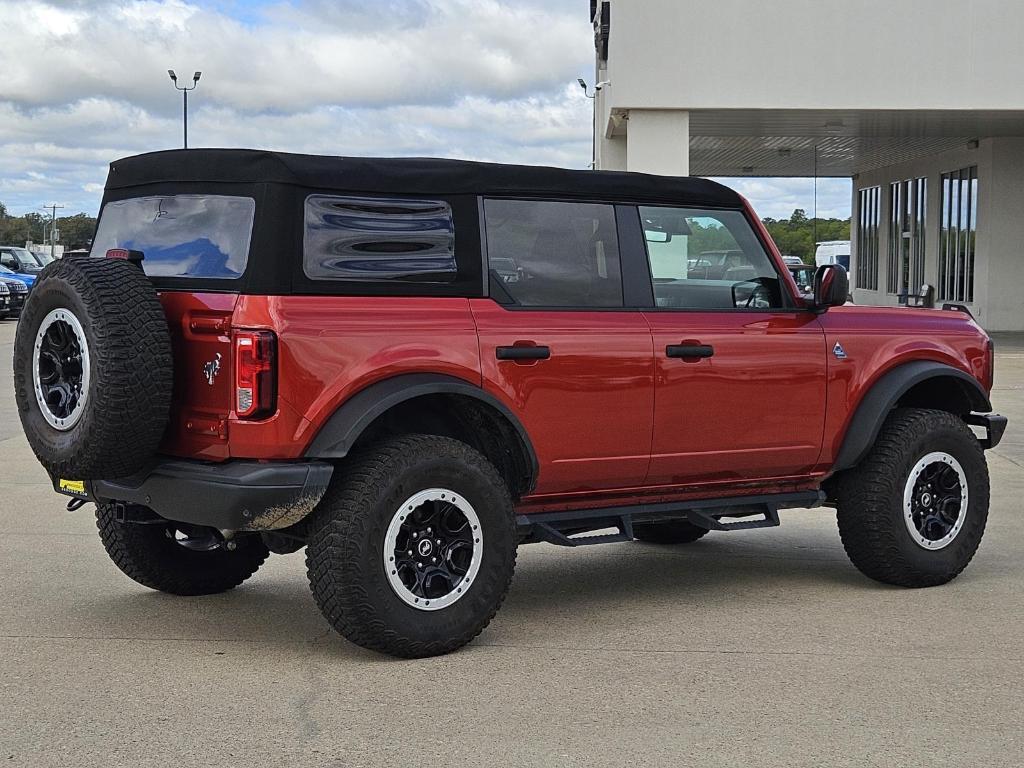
<point x="689" y="350"/>
<point x="522" y="353"/>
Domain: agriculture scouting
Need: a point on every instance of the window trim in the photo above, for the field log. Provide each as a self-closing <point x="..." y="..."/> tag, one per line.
<point x="789" y="303"/>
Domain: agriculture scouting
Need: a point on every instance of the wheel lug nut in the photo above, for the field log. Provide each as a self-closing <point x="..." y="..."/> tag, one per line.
<point x="415" y="535"/>
<point x="428" y="530"/>
<point x="419" y="565"/>
<point x="439" y="542"/>
<point x="409" y="553"/>
<point x="433" y="559"/>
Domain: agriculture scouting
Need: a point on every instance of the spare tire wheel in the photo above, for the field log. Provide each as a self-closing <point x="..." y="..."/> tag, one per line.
<point x="92" y="368"/>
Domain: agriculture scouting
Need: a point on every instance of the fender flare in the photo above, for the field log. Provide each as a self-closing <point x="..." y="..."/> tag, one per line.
<point x="882" y="397"/>
<point x="341" y="431"/>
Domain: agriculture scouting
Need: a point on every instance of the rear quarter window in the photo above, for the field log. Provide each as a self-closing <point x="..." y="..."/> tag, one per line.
<point x="360" y="239"/>
<point x="204" y="236"/>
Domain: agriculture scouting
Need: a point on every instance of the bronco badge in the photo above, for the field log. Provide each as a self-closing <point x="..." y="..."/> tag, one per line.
<point x="211" y="369"/>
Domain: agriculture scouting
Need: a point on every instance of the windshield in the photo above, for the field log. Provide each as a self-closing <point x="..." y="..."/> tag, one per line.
<point x="181" y="235"/>
<point x="24" y="258"/>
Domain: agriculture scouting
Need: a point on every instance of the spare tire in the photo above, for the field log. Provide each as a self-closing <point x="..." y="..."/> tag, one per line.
<point x="92" y="368"/>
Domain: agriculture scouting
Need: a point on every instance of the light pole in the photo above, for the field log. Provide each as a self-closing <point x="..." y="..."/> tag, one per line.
<point x="184" y="97"/>
<point x="593" y="118"/>
<point x="54" y="234"/>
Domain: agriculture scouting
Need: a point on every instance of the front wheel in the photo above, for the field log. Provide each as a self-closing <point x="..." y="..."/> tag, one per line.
<point x="914" y="511"/>
<point x="412" y="550"/>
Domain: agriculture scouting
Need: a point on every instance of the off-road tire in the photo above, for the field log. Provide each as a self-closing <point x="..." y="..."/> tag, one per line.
<point x="668" y="532"/>
<point x="148" y="554"/>
<point x="344" y="554"/>
<point x="129" y="394"/>
<point x="870" y="500"/>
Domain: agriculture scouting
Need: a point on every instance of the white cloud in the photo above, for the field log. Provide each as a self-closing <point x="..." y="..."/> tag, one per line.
<point x="779" y="197"/>
<point x="84" y="82"/>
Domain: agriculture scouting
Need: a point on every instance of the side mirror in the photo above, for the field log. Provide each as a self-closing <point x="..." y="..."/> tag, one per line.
<point x="831" y="287"/>
<point x="657" y="236"/>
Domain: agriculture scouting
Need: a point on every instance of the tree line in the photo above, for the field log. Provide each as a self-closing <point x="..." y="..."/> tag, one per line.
<point x="798" y="235"/>
<point x="75" y="231"/>
<point x="794" y="236"/>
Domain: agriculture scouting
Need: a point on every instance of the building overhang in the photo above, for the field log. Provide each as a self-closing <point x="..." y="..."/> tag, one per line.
<point x="762" y="142"/>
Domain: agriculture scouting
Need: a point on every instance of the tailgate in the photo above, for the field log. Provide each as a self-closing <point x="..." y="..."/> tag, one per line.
<point x="200" y="326"/>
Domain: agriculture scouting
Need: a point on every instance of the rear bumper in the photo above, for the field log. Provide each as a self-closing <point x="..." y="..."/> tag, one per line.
<point x="993" y="424"/>
<point x="235" y="495"/>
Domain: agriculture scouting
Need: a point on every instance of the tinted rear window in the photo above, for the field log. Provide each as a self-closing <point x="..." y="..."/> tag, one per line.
<point x="371" y="239"/>
<point x="181" y="235"/>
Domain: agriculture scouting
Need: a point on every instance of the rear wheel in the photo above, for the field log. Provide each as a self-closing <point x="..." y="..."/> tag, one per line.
<point x="914" y="511"/>
<point x="178" y="558"/>
<point x="668" y="532"/>
<point x="412" y="550"/>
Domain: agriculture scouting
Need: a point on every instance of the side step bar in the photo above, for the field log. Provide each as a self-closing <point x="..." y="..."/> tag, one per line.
<point x="565" y="529"/>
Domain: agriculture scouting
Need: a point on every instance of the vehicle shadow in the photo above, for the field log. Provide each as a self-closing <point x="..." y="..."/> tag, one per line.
<point x="552" y="588"/>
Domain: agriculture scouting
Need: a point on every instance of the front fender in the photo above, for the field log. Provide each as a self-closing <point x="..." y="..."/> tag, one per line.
<point x="867" y="420"/>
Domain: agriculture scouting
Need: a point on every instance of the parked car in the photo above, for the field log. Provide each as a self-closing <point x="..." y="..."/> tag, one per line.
<point x="792" y="261"/>
<point x="285" y="351"/>
<point x="5" y="301"/>
<point x="17" y="292"/>
<point x="26" y="278"/>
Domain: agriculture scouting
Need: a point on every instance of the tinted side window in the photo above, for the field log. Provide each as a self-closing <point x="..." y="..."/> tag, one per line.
<point x="703" y="259"/>
<point x="549" y="254"/>
<point x="365" y="239"/>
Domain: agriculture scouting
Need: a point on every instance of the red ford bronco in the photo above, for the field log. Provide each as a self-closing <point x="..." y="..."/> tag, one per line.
<point x="410" y="367"/>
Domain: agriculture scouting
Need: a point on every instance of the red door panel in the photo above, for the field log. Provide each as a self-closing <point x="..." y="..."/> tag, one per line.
<point x="753" y="409"/>
<point x="587" y="405"/>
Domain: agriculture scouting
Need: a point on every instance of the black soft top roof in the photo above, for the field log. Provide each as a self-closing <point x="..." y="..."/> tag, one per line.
<point x="410" y="175"/>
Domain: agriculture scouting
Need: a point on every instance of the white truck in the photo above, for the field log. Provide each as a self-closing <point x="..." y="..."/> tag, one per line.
<point x="833" y="252"/>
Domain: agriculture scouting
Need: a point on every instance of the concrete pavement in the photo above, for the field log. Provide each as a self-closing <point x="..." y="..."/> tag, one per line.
<point x="758" y="648"/>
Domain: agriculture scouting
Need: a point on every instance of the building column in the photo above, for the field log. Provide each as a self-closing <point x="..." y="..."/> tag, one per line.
<point x="658" y="141"/>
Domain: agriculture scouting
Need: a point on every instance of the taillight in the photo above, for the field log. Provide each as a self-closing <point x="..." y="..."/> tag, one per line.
<point x="255" y="374"/>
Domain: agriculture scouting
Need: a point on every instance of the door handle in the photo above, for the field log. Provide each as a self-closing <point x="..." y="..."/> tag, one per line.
<point x="689" y="350"/>
<point x="523" y="352"/>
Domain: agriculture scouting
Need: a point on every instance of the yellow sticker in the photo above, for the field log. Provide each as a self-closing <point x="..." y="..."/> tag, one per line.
<point x="72" y="486"/>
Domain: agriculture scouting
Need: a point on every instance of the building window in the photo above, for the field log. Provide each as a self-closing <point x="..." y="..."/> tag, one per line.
<point x="957" y="234"/>
<point x="868" y="218"/>
<point x="366" y="239"/>
<point x="907" y="208"/>
<point x="554" y="254"/>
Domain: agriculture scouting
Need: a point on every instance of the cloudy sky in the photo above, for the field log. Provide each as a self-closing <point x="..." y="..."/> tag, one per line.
<point x="85" y="81"/>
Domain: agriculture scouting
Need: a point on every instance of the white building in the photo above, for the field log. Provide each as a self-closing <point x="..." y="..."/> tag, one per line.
<point x="920" y="102"/>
